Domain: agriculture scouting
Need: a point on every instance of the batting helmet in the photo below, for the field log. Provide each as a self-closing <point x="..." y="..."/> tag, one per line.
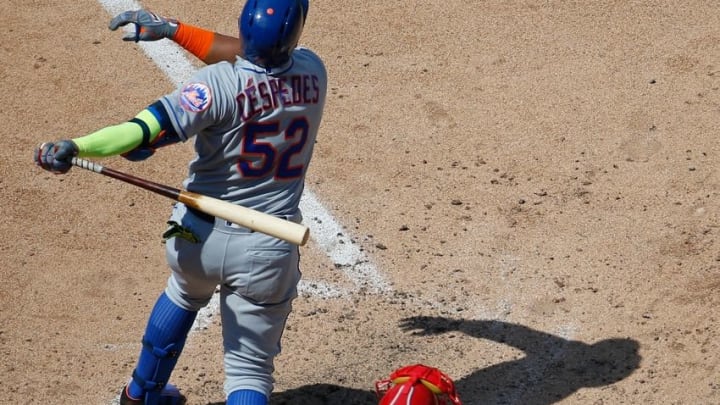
<point x="417" y="385"/>
<point x="270" y="30"/>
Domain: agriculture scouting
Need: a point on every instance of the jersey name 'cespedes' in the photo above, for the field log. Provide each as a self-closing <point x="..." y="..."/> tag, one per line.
<point x="278" y="91"/>
<point x="255" y="129"/>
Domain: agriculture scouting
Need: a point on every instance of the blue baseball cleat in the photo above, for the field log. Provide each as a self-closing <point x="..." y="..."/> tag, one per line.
<point x="170" y="395"/>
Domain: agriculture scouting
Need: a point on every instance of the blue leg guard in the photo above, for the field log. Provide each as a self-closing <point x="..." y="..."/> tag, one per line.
<point x="163" y="342"/>
<point x="246" y="397"/>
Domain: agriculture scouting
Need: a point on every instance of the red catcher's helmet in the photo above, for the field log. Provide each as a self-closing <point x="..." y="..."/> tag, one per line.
<point x="417" y="385"/>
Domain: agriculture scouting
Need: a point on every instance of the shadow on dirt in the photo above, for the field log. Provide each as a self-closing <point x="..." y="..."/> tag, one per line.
<point x="552" y="369"/>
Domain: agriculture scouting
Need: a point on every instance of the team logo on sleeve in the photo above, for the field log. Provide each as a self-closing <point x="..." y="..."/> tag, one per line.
<point x="195" y="97"/>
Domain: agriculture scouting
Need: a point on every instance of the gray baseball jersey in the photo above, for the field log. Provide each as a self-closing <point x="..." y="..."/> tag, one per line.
<point x="254" y="134"/>
<point x="255" y="129"/>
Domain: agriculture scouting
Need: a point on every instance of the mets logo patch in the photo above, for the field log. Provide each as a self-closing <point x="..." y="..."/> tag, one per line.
<point x="195" y="97"/>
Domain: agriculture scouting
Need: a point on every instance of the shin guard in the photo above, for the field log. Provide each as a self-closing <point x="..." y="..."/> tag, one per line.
<point x="163" y="342"/>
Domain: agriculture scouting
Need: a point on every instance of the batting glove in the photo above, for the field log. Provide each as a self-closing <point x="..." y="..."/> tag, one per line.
<point x="56" y="157"/>
<point x="148" y="26"/>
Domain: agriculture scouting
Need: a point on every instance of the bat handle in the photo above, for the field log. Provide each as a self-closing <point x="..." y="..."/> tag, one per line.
<point x="87" y="165"/>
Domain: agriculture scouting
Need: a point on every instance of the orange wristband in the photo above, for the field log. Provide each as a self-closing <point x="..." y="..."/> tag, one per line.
<point x="196" y="40"/>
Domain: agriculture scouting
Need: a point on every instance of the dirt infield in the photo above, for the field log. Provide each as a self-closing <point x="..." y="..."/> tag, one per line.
<point x="533" y="187"/>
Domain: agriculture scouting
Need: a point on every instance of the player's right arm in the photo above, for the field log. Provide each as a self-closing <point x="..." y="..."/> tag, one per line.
<point x="210" y="47"/>
<point x="135" y="139"/>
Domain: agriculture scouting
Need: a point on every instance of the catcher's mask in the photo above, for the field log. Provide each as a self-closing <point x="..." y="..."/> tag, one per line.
<point x="417" y="385"/>
<point x="270" y="30"/>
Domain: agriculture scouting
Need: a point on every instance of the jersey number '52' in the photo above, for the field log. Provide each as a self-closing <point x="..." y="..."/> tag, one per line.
<point x="269" y="158"/>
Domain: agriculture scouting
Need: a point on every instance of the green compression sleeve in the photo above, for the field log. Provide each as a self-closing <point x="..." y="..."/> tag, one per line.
<point x="121" y="138"/>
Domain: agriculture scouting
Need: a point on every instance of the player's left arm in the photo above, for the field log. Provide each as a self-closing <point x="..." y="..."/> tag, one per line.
<point x="210" y="47"/>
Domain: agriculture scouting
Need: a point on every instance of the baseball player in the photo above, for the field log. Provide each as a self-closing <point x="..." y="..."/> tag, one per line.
<point x="254" y="123"/>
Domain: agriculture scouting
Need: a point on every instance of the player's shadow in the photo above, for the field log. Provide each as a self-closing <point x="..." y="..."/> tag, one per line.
<point x="551" y="369"/>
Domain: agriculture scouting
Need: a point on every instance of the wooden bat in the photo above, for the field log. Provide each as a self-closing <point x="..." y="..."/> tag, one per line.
<point x="258" y="221"/>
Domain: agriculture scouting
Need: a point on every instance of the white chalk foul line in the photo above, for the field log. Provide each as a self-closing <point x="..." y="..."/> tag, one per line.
<point x="324" y="229"/>
<point x="345" y="254"/>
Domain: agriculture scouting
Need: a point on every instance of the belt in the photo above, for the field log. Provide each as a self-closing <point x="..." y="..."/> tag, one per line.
<point x="202" y="215"/>
<point x="211" y="219"/>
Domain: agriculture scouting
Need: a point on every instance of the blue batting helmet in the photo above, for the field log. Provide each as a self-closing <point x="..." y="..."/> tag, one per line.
<point x="270" y="30"/>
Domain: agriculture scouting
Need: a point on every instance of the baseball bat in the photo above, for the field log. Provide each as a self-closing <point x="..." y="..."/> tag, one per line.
<point x="258" y="221"/>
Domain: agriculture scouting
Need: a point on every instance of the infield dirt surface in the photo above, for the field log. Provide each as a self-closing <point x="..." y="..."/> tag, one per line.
<point x="534" y="186"/>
